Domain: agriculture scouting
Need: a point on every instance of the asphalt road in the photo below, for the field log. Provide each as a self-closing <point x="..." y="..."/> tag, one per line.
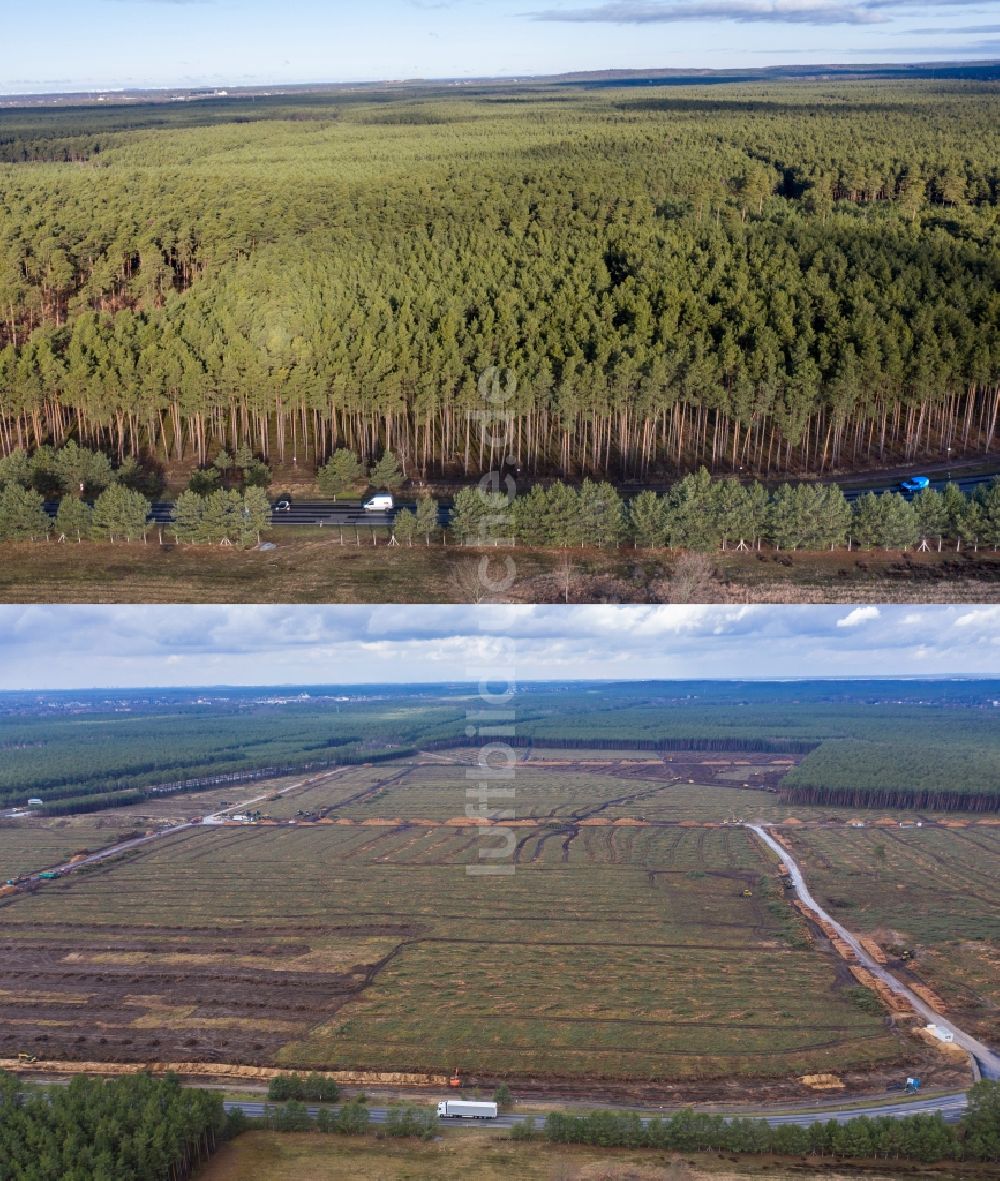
<point x="987" y="1059"/>
<point x="350" y="514"/>
<point x="951" y="1107"/>
<point x="967" y="484"/>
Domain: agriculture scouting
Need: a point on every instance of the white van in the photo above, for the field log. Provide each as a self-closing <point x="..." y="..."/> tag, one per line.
<point x="381" y="502"/>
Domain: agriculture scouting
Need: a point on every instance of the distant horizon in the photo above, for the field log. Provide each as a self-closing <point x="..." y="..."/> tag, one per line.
<point x="238" y="87"/>
<point x="916" y="678"/>
<point x="153" y="44"/>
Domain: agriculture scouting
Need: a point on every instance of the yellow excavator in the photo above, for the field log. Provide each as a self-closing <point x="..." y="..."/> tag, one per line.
<point x="27" y="1058"/>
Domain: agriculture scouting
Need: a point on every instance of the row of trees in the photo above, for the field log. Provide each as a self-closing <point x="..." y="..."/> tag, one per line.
<point x="919" y="1137"/>
<point x="795" y="283"/>
<point x="222" y="517"/>
<point x="119" y="514"/>
<point x="314" y="1086"/>
<point x="352" y="1119"/>
<point x="697" y="513"/>
<point x="344" y="472"/>
<point x="702" y="514"/>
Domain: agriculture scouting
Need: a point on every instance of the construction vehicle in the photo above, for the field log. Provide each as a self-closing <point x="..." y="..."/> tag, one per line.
<point x="460" y="1109"/>
<point x="26" y="1058"/>
<point x="748" y="893"/>
<point x="48" y="876"/>
<point x="455" y="1080"/>
<point x="912" y="1086"/>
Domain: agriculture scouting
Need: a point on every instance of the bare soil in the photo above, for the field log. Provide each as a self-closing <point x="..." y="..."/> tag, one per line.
<point x="311" y="566"/>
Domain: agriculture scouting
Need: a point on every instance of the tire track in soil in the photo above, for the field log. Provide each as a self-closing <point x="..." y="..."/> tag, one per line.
<point x="968" y="836"/>
<point x="699" y="846"/>
<point x="943" y="870"/>
<point x="609" y="844"/>
<point x="364" y="929"/>
<point x="580" y="1051"/>
<point x="670" y="1023"/>
<point x="574" y="833"/>
<point x="450" y="861"/>
<point x="569" y="832"/>
<point x="520" y="847"/>
<point x="371" y="790"/>
<point x="368" y="844"/>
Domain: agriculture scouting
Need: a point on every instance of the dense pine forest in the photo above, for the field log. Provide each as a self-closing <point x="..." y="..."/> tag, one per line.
<point x="140" y="1128"/>
<point x="769" y="278"/>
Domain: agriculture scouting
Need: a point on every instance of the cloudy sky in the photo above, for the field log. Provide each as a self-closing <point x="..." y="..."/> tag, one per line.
<point x="82" y="44"/>
<point x="50" y="647"/>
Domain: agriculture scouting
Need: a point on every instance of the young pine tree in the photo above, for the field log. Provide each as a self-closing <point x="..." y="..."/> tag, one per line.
<point x="343" y="473"/>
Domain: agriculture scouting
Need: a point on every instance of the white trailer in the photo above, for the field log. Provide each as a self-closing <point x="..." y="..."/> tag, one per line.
<point x="460" y="1109"/>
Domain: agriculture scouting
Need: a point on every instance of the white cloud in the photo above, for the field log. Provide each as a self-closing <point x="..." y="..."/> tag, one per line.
<point x="981" y="617"/>
<point x="795" y="12"/>
<point x="89" y="646"/>
<point x="859" y="616"/>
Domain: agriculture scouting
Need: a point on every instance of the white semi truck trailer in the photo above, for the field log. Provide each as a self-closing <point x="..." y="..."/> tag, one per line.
<point x="461" y="1109"/>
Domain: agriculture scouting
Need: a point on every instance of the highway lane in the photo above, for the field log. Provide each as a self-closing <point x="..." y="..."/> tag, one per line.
<point x="346" y="514"/>
<point x="350" y="514"/>
<point x="951" y="1107"/>
<point x="987" y="1059"/>
<point x="968" y="484"/>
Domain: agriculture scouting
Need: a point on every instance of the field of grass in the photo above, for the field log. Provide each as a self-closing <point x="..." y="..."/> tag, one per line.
<point x="332" y="791"/>
<point x="934" y="890"/>
<point x="309" y="1156"/>
<point x="310" y="567"/>
<point x="614" y="954"/>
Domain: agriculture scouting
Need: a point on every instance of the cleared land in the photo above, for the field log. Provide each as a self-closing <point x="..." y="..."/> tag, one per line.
<point x="30" y="846"/>
<point x="931" y="890"/>
<point x="620" y="958"/>
<point x="313" y="1157"/>
<point x="308" y="567"/>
